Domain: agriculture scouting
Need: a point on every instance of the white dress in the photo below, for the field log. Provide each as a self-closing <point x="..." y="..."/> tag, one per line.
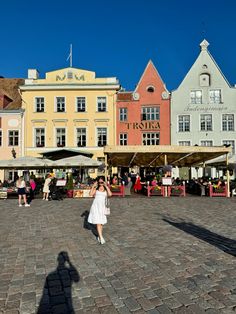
<point x="46" y="185"/>
<point x="96" y="214"/>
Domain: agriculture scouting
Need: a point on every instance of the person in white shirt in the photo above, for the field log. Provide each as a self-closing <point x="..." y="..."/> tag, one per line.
<point x="21" y="189"/>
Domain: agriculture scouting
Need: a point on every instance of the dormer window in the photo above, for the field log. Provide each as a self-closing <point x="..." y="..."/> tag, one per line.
<point x="150" y="89"/>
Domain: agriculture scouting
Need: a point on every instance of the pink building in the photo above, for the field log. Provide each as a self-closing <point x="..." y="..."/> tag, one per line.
<point x="11" y="122"/>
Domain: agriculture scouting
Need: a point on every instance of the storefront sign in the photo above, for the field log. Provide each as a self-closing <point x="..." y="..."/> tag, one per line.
<point x="150" y="125"/>
<point x="192" y="108"/>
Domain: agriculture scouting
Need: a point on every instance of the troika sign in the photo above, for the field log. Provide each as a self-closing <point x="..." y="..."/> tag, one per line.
<point x="150" y="125"/>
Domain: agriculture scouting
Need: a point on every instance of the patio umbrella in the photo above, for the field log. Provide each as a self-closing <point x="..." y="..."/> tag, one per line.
<point x="75" y="161"/>
<point x="26" y="162"/>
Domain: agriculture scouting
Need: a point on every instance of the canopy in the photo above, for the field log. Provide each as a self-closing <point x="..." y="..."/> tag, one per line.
<point x="64" y="153"/>
<point x="220" y="161"/>
<point x="75" y="161"/>
<point x="26" y="162"/>
<point x="160" y="155"/>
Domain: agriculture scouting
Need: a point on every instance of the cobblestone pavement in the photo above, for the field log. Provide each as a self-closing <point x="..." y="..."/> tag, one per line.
<point x="174" y="255"/>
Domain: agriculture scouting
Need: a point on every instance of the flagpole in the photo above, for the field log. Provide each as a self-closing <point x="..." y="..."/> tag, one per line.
<point x="71" y="55"/>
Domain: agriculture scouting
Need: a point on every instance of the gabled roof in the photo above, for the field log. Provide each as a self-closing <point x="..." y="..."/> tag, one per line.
<point x="151" y="65"/>
<point x="10" y="88"/>
<point x="204" y="50"/>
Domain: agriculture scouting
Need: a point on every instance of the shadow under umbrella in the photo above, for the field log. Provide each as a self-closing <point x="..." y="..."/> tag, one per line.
<point x="57" y="294"/>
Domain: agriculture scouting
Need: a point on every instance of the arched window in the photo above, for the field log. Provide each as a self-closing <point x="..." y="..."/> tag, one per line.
<point x="205" y="79"/>
<point x="150" y="89"/>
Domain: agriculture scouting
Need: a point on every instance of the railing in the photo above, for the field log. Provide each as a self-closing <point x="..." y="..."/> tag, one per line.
<point x="218" y="191"/>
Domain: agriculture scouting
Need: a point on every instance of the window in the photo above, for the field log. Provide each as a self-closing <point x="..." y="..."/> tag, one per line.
<point x="13" y="138"/>
<point x="150" y="113"/>
<point x="81" y="104"/>
<point x="61" y="137"/>
<point x="206" y="122"/>
<point x="184" y="143"/>
<point x="123" y="138"/>
<point x="60" y="104"/>
<point x="81" y="137"/>
<point x="101" y="137"/>
<point x="196" y="97"/>
<point x="39" y="104"/>
<point x="228" y="122"/>
<point x="123" y="114"/>
<point x="0" y="137"/>
<point x="151" y="138"/>
<point x="215" y="96"/>
<point x="40" y="137"/>
<point x="184" y="123"/>
<point x="102" y="104"/>
<point x="206" y="143"/>
<point x="150" y="89"/>
<point x="231" y="143"/>
<point x="204" y="78"/>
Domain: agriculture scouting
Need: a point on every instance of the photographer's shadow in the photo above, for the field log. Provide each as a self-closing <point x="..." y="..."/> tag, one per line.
<point x="57" y="296"/>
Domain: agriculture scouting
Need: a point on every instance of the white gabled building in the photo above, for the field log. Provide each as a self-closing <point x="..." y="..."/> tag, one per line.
<point x="203" y="107"/>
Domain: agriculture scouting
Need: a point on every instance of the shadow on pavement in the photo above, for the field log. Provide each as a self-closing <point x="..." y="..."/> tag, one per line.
<point x="57" y="296"/>
<point x="225" y="244"/>
<point x="87" y="225"/>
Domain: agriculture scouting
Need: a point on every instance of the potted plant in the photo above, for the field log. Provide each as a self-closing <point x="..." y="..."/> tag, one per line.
<point x="70" y="186"/>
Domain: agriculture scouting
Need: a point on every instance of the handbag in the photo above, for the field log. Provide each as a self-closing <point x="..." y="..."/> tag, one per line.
<point x="107" y="210"/>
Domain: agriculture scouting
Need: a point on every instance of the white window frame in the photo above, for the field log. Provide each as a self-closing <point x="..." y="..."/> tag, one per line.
<point x="106" y="103"/>
<point x="19" y="142"/>
<point x="55" y="107"/>
<point x="185" y="142"/>
<point x="181" y="115"/>
<point x="156" y="112"/>
<point x="205" y="130"/>
<point x="34" y="139"/>
<point x="233" y="147"/>
<point x="215" y="102"/>
<point x="149" y="133"/>
<point x="206" y="140"/>
<point x="55" y="136"/>
<point x="96" y="138"/>
<point x="35" y="104"/>
<point x="76" y="135"/>
<point x="122" y="114"/>
<point x="123" y="139"/>
<point x="76" y="106"/>
<point x="195" y="102"/>
<point x="227" y="114"/>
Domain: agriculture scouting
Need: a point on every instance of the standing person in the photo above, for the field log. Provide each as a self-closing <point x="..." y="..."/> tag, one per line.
<point x="21" y="189"/>
<point x="97" y="216"/>
<point x="32" y="188"/>
<point x="46" y="189"/>
<point x="137" y="185"/>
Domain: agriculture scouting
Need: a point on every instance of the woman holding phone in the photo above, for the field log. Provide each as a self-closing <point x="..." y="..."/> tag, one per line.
<point x="100" y="191"/>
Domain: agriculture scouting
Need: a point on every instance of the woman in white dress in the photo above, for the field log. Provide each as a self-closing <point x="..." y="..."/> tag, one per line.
<point x="46" y="190"/>
<point x="97" y="216"/>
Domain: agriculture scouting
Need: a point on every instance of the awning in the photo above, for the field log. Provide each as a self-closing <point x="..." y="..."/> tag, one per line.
<point x="26" y="162"/>
<point x="220" y="161"/>
<point x="64" y="153"/>
<point x="75" y="161"/>
<point x="148" y="156"/>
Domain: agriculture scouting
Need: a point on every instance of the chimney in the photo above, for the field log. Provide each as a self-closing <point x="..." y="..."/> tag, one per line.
<point x="33" y="74"/>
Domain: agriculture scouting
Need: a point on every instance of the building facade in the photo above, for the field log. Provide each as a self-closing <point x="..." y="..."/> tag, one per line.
<point x="69" y="108"/>
<point x="11" y="123"/>
<point x="203" y="107"/>
<point x="143" y="116"/>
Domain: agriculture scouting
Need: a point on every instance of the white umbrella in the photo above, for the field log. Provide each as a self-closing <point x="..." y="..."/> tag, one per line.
<point x="25" y="162"/>
<point x="75" y="161"/>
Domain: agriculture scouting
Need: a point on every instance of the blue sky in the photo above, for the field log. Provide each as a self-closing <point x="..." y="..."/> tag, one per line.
<point x="117" y="38"/>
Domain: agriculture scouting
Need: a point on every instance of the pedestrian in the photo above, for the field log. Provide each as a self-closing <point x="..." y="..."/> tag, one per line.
<point x="32" y="188"/>
<point x="137" y="185"/>
<point x="100" y="191"/>
<point x="21" y="189"/>
<point x="46" y="189"/>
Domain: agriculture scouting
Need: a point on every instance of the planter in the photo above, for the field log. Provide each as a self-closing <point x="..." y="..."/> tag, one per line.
<point x="70" y="193"/>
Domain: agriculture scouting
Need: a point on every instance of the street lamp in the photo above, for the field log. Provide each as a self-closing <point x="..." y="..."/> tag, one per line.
<point x="13" y="153"/>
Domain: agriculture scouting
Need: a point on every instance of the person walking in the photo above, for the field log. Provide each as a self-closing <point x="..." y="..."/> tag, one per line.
<point x="100" y="191"/>
<point x="21" y="190"/>
<point x="137" y="185"/>
<point x="46" y="189"/>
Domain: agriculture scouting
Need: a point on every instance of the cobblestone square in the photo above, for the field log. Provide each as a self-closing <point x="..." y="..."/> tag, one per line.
<point x="162" y="255"/>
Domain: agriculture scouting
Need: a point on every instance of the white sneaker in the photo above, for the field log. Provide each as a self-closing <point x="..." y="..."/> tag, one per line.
<point x="98" y="239"/>
<point x="20" y="205"/>
<point x="27" y="205"/>
<point x="102" y="241"/>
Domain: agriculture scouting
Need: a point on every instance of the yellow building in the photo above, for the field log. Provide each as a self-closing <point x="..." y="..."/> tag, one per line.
<point x="70" y="108"/>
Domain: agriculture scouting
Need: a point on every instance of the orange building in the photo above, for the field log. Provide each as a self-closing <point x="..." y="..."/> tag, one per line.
<point x="143" y="116"/>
